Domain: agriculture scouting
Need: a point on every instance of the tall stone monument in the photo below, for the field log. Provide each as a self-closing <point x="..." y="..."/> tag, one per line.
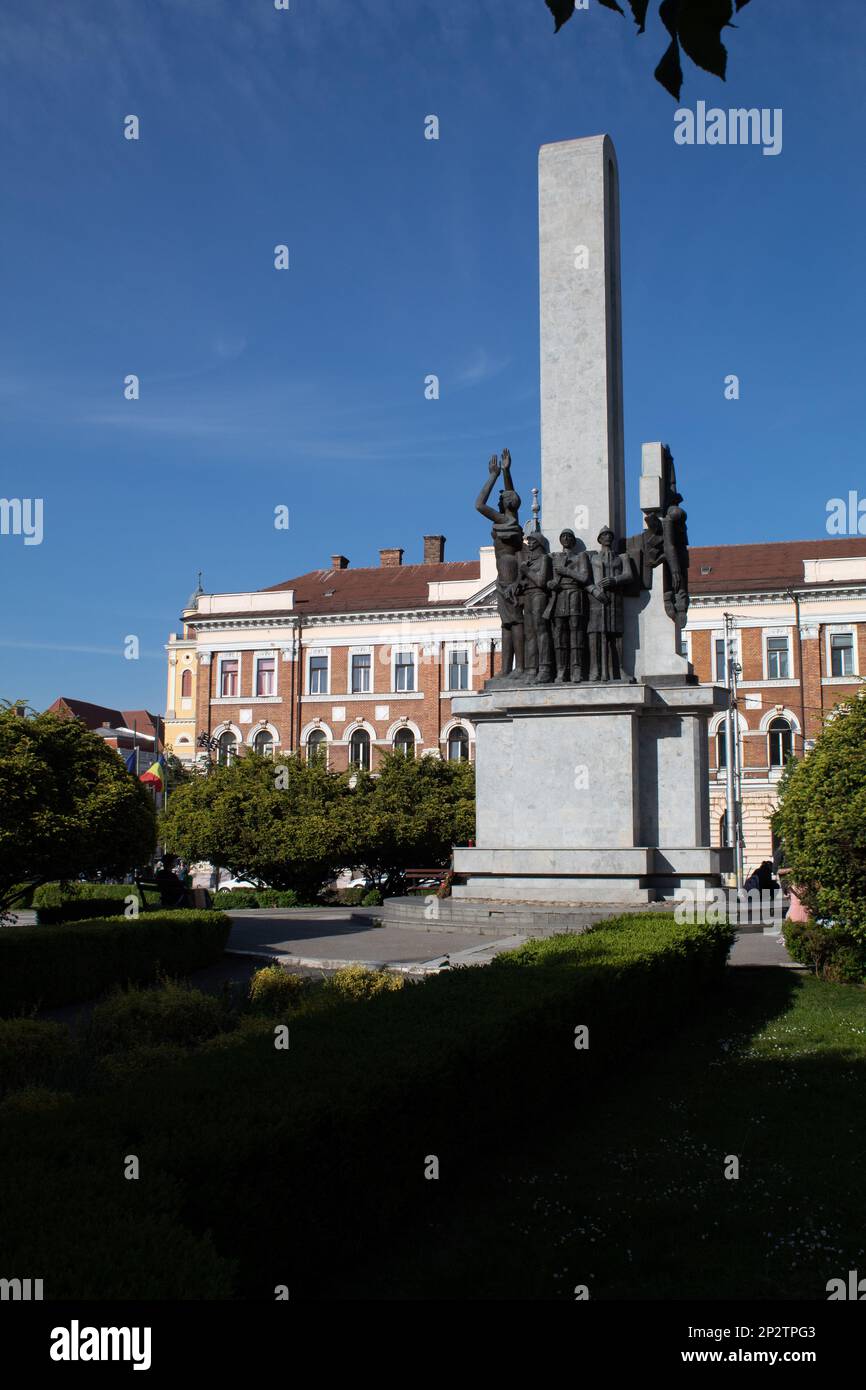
<point x="592" y="783"/>
<point x="582" y="466"/>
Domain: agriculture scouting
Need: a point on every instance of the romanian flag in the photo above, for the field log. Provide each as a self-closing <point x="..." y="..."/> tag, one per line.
<point x="154" y="777"/>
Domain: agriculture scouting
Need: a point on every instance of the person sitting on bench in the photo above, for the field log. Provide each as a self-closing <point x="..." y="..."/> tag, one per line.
<point x="172" y="893"/>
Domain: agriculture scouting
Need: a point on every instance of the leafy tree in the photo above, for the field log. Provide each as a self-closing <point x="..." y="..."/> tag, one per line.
<point x="278" y="823"/>
<point x="821" y="820"/>
<point x="695" y="26"/>
<point x="411" y="814"/>
<point x="69" y="805"/>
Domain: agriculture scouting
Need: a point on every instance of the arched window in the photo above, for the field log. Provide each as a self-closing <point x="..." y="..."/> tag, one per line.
<point x="359" y="749"/>
<point x="458" y="745"/>
<point x="781" y="742"/>
<point x="721" y="748"/>
<point x="186" y="684"/>
<point x="316" y="745"/>
<point x="263" y="743"/>
<point x="404" y="742"/>
<point x="227" y="748"/>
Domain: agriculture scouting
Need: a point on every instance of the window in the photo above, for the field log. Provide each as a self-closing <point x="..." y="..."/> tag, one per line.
<point x="229" y="676"/>
<point x="683" y="643"/>
<point x="317" y="745"/>
<point x="263" y="743"/>
<point x="266" y="675"/>
<point x="721" y="749"/>
<point x="404" y="671"/>
<point x="841" y="653"/>
<point x="318" y="675"/>
<point x="781" y="742"/>
<point x="458" y="745"/>
<point x="404" y="743"/>
<point x="227" y="748"/>
<point x="186" y="684"/>
<point x="361" y="663"/>
<point x="778" y="667"/>
<point x="721" y="663"/>
<point x="458" y="669"/>
<point x="359" y="749"/>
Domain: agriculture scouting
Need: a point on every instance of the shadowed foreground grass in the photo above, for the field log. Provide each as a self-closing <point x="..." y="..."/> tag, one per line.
<point x="631" y="1199"/>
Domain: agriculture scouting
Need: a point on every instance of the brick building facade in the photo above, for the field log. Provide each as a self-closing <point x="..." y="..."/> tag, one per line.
<point x="353" y="661"/>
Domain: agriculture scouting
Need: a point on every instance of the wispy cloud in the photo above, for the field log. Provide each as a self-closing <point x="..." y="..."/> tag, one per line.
<point x="86" y="650"/>
<point x="481" y="367"/>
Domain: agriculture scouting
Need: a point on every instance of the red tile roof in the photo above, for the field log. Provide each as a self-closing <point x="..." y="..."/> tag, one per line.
<point x="384" y="587"/>
<point x="732" y="568"/>
<point x="766" y="565"/>
<point x="96" y="716"/>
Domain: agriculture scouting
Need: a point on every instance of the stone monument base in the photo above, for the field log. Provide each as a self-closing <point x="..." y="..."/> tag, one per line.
<point x="590" y="794"/>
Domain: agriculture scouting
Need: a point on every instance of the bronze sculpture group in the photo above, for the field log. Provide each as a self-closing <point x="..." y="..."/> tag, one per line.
<point x="563" y="614"/>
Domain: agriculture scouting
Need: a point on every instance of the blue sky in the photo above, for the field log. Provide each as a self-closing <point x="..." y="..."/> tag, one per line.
<point x="408" y="257"/>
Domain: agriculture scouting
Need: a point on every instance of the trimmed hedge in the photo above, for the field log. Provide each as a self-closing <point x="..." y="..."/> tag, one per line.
<point x="346" y="1115"/>
<point x="233" y="899"/>
<point x="32" y="1052"/>
<point x="81" y="902"/>
<point x="46" y="966"/>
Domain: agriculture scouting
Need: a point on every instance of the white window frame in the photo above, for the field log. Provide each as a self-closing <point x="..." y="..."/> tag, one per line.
<point x="456" y="646"/>
<point x="319" y="652"/>
<point x="266" y="656"/>
<point x="778" y="632"/>
<point x="412" y="649"/>
<point x="360" y="651"/>
<point x="842" y="630"/>
<point x="221" y="658"/>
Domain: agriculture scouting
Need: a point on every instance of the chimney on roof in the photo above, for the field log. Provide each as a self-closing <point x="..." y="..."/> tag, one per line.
<point x="434" y="550"/>
<point x="339" y="562"/>
<point x="389" y="558"/>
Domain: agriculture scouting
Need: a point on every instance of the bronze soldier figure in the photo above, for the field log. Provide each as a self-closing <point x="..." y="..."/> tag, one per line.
<point x="568" y="608"/>
<point x="507" y="546"/>
<point x="611" y="573"/>
<point x="535" y="574"/>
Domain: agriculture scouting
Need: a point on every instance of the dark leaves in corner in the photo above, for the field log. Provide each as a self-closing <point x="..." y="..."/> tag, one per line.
<point x="694" y="25"/>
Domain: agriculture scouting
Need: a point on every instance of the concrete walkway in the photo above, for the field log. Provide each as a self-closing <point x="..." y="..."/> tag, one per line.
<point x="761" y="948"/>
<point x="329" y="938"/>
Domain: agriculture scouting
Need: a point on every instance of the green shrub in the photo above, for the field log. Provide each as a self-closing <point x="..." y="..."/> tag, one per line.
<point x="232" y="899"/>
<point x="34" y="1100"/>
<point x="346" y="1114"/>
<point x="372" y="899"/>
<point x="78" y="902"/>
<point x="172" y="1013"/>
<point x="833" y="953"/>
<point x="32" y="1052"/>
<point x="821" y="820"/>
<point x="352" y="897"/>
<point x="126" y="1068"/>
<point x="274" y="990"/>
<point x="362" y="982"/>
<point x="47" y="966"/>
<point x="277" y="897"/>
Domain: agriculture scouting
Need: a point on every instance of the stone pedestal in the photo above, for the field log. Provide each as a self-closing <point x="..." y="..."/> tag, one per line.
<point x="590" y="793"/>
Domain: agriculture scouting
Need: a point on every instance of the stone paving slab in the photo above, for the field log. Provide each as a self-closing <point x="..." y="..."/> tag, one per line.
<point x="331" y="939"/>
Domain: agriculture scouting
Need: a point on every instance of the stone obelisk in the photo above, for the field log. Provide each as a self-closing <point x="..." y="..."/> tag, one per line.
<point x="582" y="469"/>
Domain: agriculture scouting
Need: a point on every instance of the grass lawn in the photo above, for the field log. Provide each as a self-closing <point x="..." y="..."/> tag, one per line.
<point x="632" y="1200"/>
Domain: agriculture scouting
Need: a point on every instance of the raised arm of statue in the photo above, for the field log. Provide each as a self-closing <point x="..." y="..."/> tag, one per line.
<point x="506" y="470"/>
<point x="481" y="501"/>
